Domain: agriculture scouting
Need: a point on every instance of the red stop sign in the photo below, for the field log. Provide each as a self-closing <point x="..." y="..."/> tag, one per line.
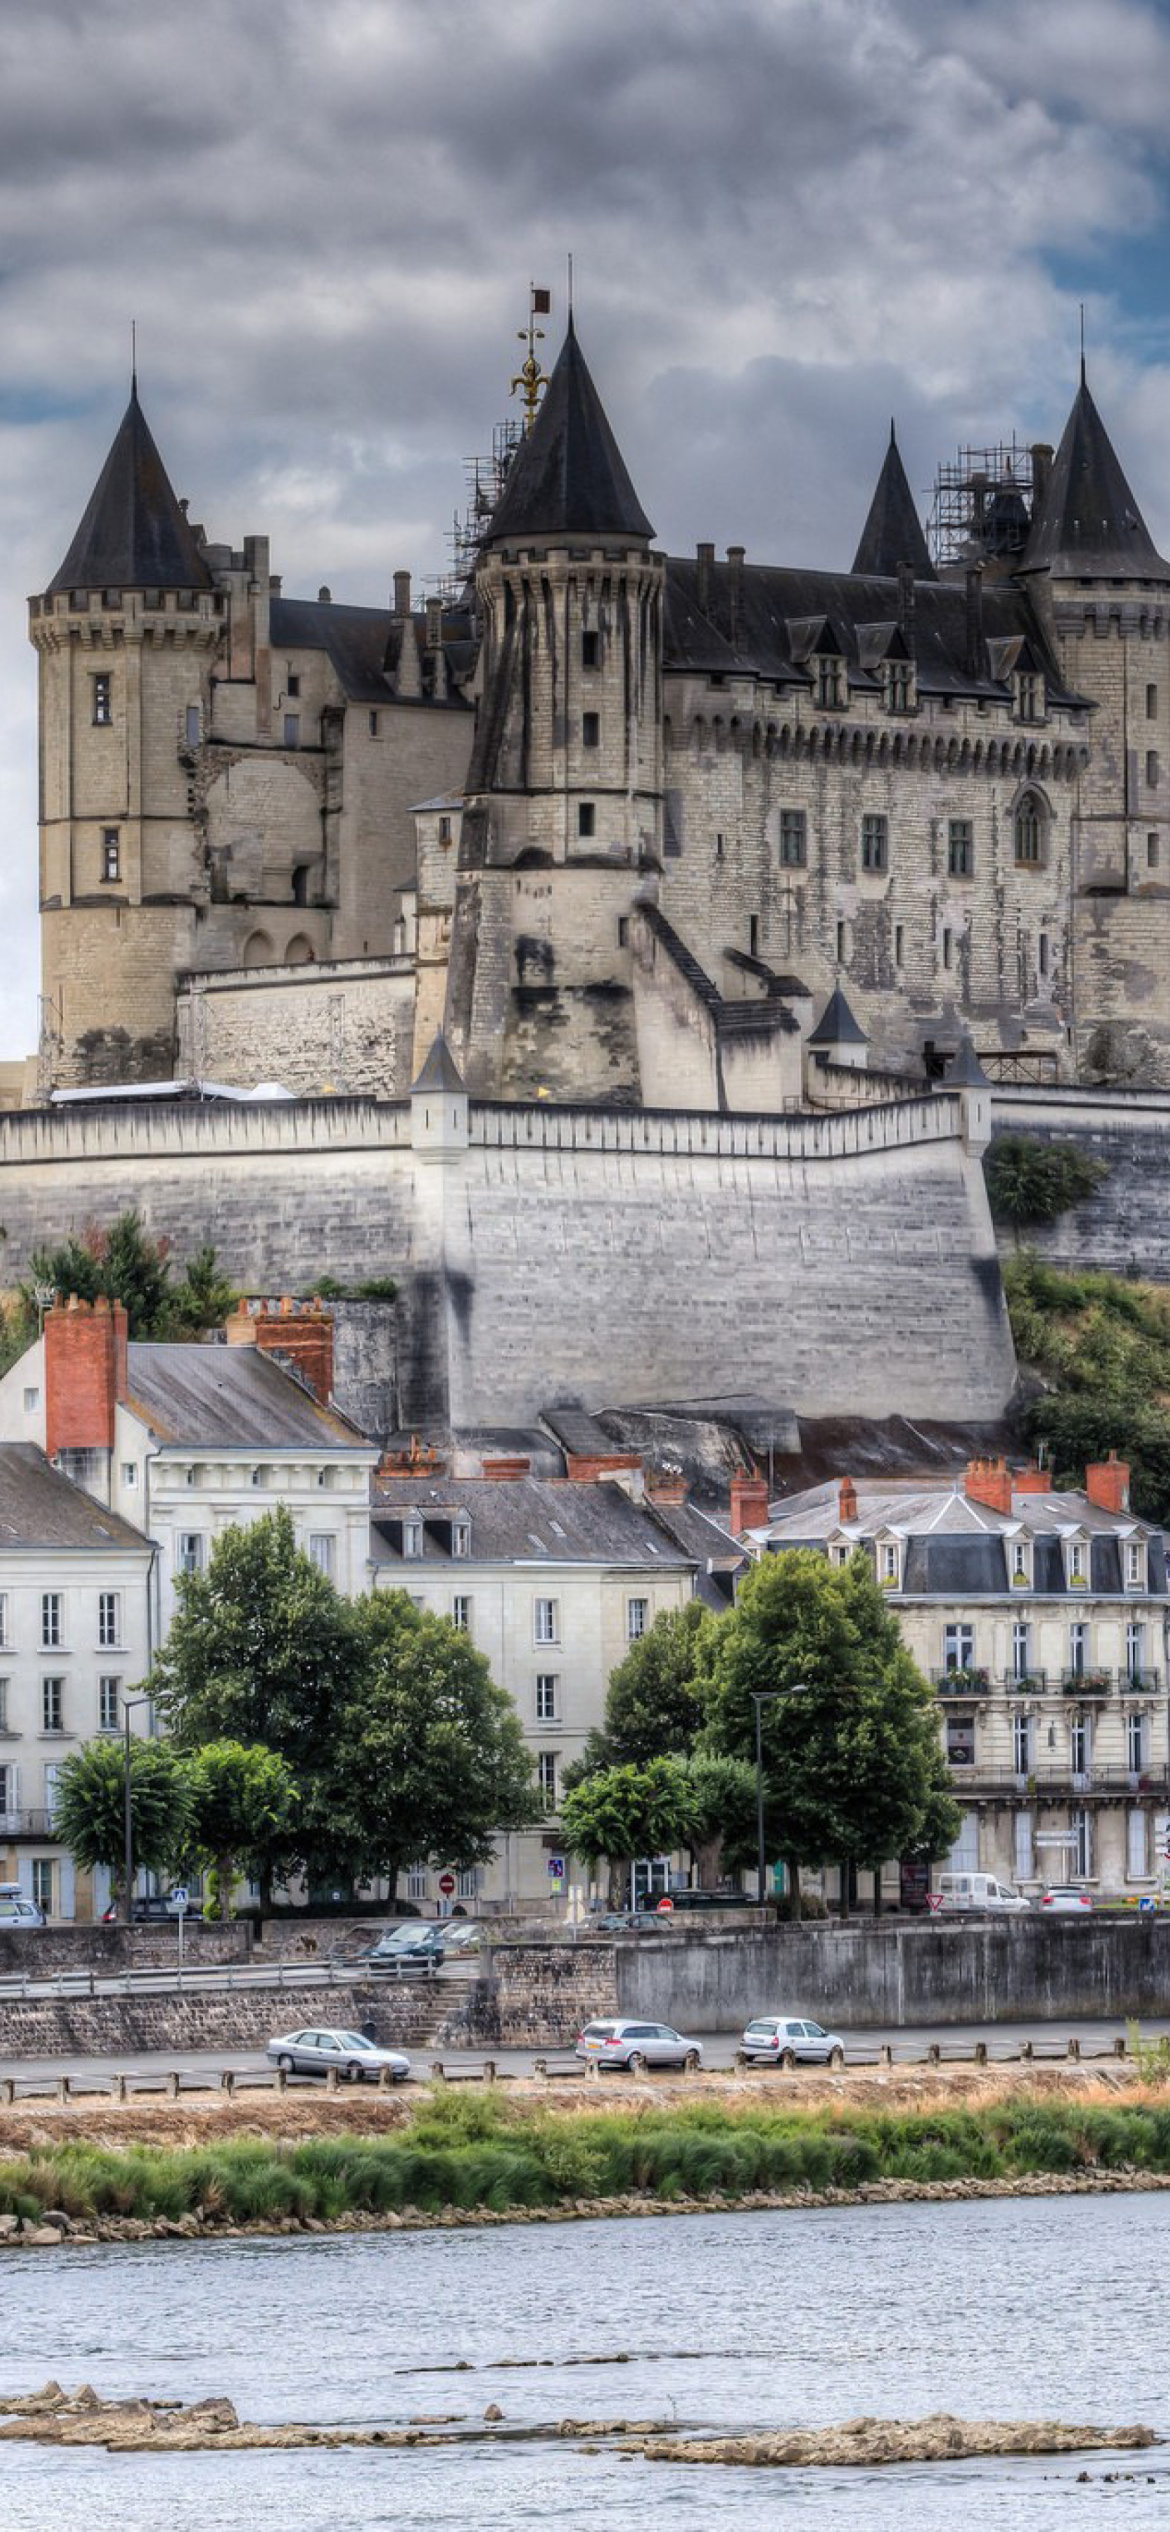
<point x="446" y="1884"/>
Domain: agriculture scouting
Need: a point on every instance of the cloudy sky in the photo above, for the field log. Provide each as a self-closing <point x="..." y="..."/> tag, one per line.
<point x="789" y="219"/>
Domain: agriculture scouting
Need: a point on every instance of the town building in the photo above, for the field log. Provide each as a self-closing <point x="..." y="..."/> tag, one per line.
<point x="1040" y="1616"/>
<point x="619" y="821"/>
<point x="76" y="1640"/>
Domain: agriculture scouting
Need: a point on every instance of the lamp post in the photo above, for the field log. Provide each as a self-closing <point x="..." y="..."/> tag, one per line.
<point x="766" y="1697"/>
<point x="128" y="1821"/>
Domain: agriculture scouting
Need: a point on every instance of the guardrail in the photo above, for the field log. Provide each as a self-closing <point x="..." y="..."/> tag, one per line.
<point x="550" y="2066"/>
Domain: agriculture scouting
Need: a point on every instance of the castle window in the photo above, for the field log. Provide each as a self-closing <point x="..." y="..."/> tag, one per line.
<point x="292" y="729"/>
<point x="874" y="843"/>
<point x="960" y="848"/>
<point x="1029" y="696"/>
<point x="793" y="839"/>
<point x="589" y="650"/>
<point x="444" y="830"/>
<point x="899" y="686"/>
<point x="1153" y="775"/>
<point x="586" y="818"/>
<point x="948" y="947"/>
<point x="111" y="853"/>
<point x="1042" y="953"/>
<point x="899" y="944"/>
<point x="292" y="685"/>
<point x="590" y="729"/>
<point x="623" y="923"/>
<point x="830" y="684"/>
<point x="193" y="724"/>
<point x="720" y="848"/>
<point x="1029" y="832"/>
<point x="1153" y="855"/>
<point x="1151" y="703"/>
<point x="842" y="944"/>
<point x="103" y="709"/>
<point x="373" y="725"/>
<point x="754" y="935"/>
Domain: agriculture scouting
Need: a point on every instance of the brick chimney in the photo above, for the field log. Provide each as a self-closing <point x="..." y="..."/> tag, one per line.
<point x="1107" y="1484"/>
<point x="989" y="1481"/>
<point x="85" y="1374"/>
<point x="1032" y="1481"/>
<point x="847" y="1500"/>
<point x="749" y="1503"/>
<point x="666" y="1487"/>
<point x="301" y="1331"/>
<point x="506" y="1468"/>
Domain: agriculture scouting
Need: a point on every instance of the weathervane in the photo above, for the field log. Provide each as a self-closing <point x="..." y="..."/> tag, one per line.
<point x="532" y="380"/>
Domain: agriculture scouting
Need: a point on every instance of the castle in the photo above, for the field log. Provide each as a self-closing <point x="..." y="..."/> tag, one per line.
<point x="620" y="823"/>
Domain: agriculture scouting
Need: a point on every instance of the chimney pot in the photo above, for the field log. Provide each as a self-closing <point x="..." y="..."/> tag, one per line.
<point x="324" y="597"/>
<point x="402" y="593"/>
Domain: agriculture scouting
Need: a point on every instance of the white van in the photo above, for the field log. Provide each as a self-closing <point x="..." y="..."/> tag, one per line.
<point x="977" y="1890"/>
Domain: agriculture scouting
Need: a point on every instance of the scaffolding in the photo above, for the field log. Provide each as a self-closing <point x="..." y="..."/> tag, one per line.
<point x="982" y="503"/>
<point x="484" y="479"/>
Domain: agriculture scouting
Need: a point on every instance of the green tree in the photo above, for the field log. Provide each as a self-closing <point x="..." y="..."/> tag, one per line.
<point x="626" y="1812"/>
<point x="90" y="1809"/>
<point x="203" y="1297"/>
<point x="243" y="1806"/>
<point x="655" y="1704"/>
<point x="1030" y="1183"/>
<point x="721" y="1832"/>
<point x="427" y="1760"/>
<point x="260" y="1650"/>
<point x="127" y="1264"/>
<point x="850" y="1758"/>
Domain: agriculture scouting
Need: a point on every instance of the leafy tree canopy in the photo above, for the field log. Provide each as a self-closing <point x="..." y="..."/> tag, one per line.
<point x="1030" y="1183"/>
<point x="90" y="1810"/>
<point x="243" y="1811"/>
<point x="721" y="1831"/>
<point x="625" y="1812"/>
<point x="1100" y="1345"/>
<point x="655" y="1705"/>
<point x="125" y="1264"/>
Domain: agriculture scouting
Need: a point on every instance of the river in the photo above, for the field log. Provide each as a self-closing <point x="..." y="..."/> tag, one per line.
<point x="1010" y="2308"/>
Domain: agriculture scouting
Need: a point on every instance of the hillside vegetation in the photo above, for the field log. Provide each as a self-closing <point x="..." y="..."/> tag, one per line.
<point x="1100" y="1345"/>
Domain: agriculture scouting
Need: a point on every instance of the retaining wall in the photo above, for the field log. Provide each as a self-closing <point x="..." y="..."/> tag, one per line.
<point x="105" y="2026"/>
<point x="47" y="1951"/>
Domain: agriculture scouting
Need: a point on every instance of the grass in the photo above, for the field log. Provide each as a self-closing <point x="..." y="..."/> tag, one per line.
<point x="465" y="2154"/>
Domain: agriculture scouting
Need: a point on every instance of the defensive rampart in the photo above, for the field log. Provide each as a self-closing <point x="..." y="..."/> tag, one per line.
<point x="1125" y="1225"/>
<point x="607" y="1256"/>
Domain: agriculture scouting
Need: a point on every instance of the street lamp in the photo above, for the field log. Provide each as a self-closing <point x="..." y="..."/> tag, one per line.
<point x="128" y="1847"/>
<point x="766" y="1697"/>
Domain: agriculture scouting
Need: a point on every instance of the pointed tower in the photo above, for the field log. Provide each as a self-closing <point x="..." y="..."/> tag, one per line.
<point x="1102" y="591"/>
<point x="564" y="792"/>
<point x="893" y="531"/>
<point x="126" y="635"/>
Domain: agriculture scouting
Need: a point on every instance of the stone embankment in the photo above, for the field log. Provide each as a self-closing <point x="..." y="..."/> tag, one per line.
<point x="57" y="2417"/>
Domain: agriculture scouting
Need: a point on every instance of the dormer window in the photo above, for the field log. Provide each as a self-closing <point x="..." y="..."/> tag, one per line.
<point x="1020" y="1559"/>
<point x="889" y="1564"/>
<point x="1135" y="1560"/>
<point x="412" y="1538"/>
<point x="839" y="1551"/>
<point x="900" y="695"/>
<point x="1077" y="1564"/>
<point x="461" y="1538"/>
<point x="830" y="688"/>
<point x="1029" y="687"/>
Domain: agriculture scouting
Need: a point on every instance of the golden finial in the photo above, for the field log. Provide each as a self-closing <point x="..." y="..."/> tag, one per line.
<point x="532" y="380"/>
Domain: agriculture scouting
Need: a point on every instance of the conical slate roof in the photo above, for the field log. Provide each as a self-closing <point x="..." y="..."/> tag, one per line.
<point x="440" y="1070"/>
<point x="965" y="1072"/>
<point x="893" y="531"/>
<point x="837" y="1026"/>
<point x="133" y="534"/>
<point x="1088" y="525"/>
<point x="569" y="477"/>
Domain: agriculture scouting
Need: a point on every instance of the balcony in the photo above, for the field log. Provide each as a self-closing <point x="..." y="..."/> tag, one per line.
<point x="968" y="1682"/>
<point x="1086" y="1683"/>
<point x="18" y="1824"/>
<point x="1053" y="1783"/>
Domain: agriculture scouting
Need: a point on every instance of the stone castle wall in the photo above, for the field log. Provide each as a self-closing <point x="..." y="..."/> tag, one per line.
<point x="1124" y="1226"/>
<point x="344" y="1027"/>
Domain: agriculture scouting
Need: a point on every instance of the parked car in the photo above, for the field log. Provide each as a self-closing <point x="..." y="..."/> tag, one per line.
<point x="632" y="1921"/>
<point x="408" y="1947"/>
<point x="347" y="2053"/>
<point x="701" y="1902"/>
<point x="781" y="2040"/>
<point x="16" y="1908"/>
<point x="462" y="1939"/>
<point x="154" y="1907"/>
<point x="1065" y="1900"/>
<point x="637" y="2045"/>
<point x="977" y="1891"/>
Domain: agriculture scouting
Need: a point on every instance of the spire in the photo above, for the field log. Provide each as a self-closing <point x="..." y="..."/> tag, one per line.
<point x="837" y="1026"/>
<point x="134" y="534"/>
<point x="1088" y="525"/>
<point x="568" y="477"/>
<point x="440" y="1071"/>
<point x="965" y="1072"/>
<point x="893" y="531"/>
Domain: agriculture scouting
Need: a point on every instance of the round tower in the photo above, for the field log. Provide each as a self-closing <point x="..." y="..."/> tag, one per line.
<point x="125" y="635"/>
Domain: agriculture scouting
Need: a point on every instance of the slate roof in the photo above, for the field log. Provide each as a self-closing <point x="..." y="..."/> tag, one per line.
<point x="440" y="1070"/>
<point x="133" y="534"/>
<point x="232" y="1397"/>
<point x="837" y="1026"/>
<point x="959" y="1549"/>
<point x="525" y="1520"/>
<point x="362" y="645"/>
<point x="568" y="476"/>
<point x="41" y="1508"/>
<point x="756" y="622"/>
<point x="1088" y="526"/>
<point x="965" y="1072"/>
<point x="893" y="530"/>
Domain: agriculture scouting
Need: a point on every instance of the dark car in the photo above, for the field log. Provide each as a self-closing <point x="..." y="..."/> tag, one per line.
<point x="407" y="1947"/>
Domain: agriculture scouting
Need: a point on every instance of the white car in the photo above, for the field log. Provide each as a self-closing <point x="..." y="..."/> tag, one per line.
<point x="637" y="2045"/>
<point x="1065" y="1900"/>
<point x="780" y="2039"/>
<point x="346" y="2053"/>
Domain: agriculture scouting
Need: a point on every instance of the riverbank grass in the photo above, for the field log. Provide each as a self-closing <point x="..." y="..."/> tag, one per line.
<point x="462" y="2154"/>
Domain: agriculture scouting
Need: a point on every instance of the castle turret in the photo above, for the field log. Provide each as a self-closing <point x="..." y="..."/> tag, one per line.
<point x="892" y="534"/>
<point x="125" y="634"/>
<point x="564" y="793"/>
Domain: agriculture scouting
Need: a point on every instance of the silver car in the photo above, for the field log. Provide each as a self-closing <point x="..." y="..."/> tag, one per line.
<point x="346" y="2053"/>
<point x="637" y="2045"/>
<point x="784" y="2041"/>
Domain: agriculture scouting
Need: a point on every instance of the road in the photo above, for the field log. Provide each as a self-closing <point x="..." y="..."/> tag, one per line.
<point x="1003" y="2039"/>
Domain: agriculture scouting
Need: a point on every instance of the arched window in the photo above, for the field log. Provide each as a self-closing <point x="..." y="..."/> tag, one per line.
<point x="258" y="950"/>
<point x="1029" y="831"/>
<point x="299" y="952"/>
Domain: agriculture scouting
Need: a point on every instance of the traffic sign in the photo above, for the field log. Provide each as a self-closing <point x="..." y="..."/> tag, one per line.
<point x="180" y="1898"/>
<point x="447" y="1884"/>
<point x="556" y="1868"/>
